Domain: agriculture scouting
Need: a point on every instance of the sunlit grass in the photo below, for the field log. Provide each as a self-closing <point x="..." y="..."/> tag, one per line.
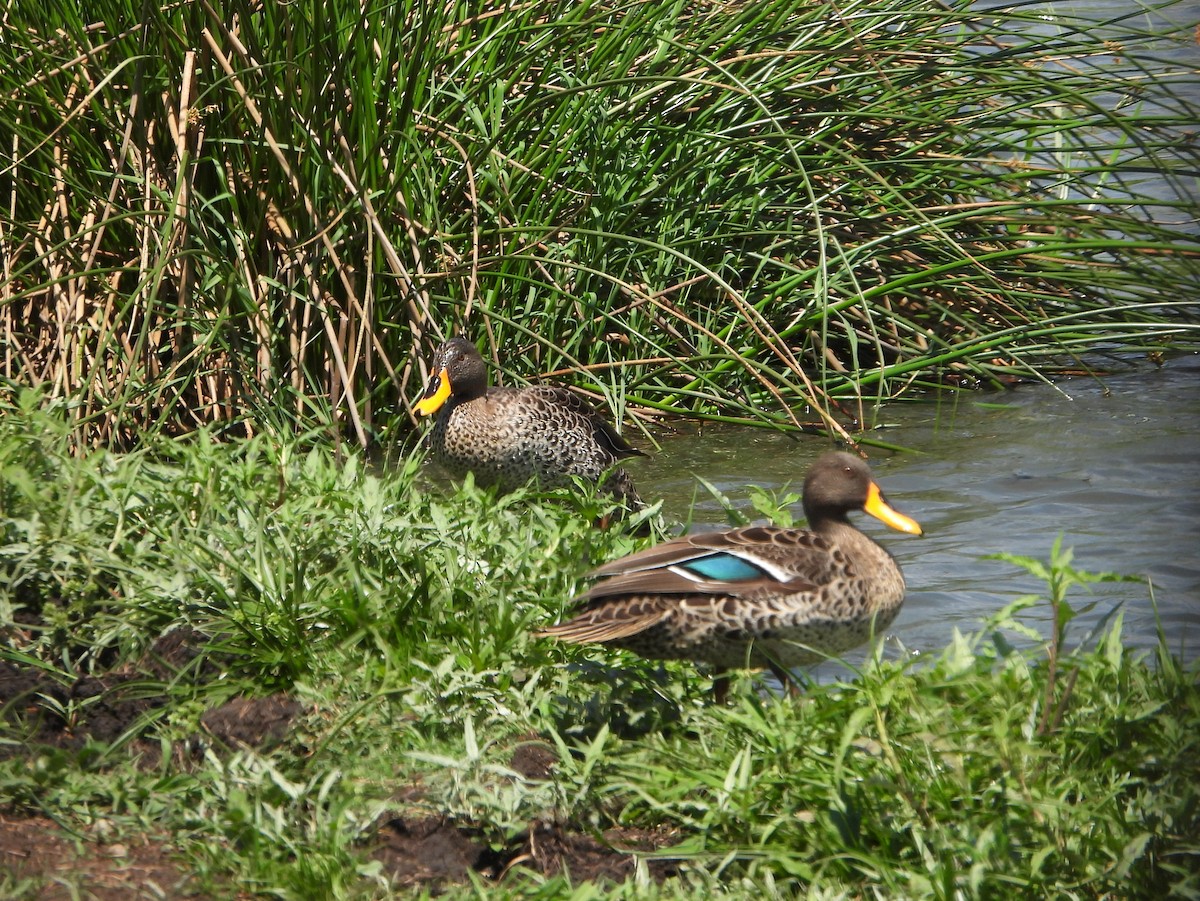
<point x="400" y="617"/>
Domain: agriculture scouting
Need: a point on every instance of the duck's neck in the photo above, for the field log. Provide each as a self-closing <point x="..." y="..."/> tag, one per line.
<point x="828" y="524"/>
<point x="841" y="532"/>
<point x="470" y="390"/>
<point x="832" y="529"/>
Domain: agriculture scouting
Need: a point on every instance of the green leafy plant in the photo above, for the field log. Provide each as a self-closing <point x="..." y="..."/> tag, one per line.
<point x="1060" y="577"/>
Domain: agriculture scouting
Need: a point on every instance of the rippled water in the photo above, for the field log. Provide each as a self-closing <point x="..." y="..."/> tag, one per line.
<point x="1112" y="465"/>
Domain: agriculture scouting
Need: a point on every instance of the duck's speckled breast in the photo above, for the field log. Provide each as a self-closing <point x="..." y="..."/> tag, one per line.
<point x="509" y="437"/>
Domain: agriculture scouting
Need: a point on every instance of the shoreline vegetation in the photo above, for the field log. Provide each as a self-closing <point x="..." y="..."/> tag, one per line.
<point x="265" y="218"/>
<point x="251" y="667"/>
<point x="239" y="659"/>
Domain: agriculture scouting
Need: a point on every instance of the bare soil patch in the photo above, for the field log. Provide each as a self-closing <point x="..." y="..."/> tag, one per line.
<point x="41" y="709"/>
<point x="41" y="712"/>
<point x="47" y="864"/>
<point x="432" y="852"/>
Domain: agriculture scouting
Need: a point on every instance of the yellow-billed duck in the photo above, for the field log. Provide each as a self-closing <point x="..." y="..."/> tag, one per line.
<point x="511" y="436"/>
<point x="757" y="596"/>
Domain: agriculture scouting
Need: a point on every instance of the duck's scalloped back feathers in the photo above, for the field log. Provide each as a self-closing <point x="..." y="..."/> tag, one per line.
<point x="604" y="433"/>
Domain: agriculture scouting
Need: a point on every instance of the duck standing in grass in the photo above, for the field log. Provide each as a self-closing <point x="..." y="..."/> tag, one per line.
<point x="757" y="596"/>
<point x="509" y="437"/>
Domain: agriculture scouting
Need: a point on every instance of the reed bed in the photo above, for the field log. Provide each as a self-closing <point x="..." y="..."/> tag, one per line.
<point x="264" y="216"/>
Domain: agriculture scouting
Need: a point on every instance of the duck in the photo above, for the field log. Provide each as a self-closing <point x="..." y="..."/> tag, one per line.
<point x="756" y="596"/>
<point x="509" y="437"/>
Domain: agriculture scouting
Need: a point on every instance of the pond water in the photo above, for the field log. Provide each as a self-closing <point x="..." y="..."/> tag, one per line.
<point x="1171" y="60"/>
<point x="1112" y="465"/>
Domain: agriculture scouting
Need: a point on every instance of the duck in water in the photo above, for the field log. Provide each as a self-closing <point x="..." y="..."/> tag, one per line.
<point x="757" y="596"/>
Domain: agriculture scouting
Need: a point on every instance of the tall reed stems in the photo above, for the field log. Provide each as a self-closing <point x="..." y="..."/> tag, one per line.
<point x="265" y="215"/>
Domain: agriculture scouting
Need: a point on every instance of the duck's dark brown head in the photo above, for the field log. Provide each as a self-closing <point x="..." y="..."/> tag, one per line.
<point x="458" y="371"/>
<point x="838" y="483"/>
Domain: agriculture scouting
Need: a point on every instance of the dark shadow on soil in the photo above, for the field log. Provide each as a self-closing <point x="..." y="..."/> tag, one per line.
<point x="43" y="709"/>
<point x="434" y="853"/>
<point x="47" y="712"/>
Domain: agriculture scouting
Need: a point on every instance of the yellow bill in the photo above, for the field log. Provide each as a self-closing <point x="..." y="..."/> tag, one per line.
<point x="880" y="509"/>
<point x="437" y="392"/>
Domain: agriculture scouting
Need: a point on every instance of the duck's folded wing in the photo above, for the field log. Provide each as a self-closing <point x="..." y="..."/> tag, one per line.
<point x="568" y="405"/>
<point x="612" y="621"/>
<point x="696" y="578"/>
<point x="643" y="590"/>
<point x="736" y="562"/>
